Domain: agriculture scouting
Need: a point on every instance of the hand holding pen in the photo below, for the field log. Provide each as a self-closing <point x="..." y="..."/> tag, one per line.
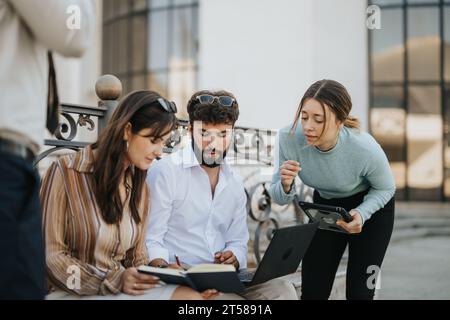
<point x="179" y="264"/>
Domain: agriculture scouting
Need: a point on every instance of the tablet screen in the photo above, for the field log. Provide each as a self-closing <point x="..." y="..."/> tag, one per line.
<point x="327" y="220"/>
<point x="325" y="216"/>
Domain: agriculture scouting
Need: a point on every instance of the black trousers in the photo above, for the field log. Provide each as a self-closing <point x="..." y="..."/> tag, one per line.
<point x="366" y="249"/>
<point x="22" y="273"/>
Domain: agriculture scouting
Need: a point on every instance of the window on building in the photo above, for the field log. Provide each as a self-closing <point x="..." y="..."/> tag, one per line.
<point x="153" y="44"/>
<point x="446" y="98"/>
<point x="410" y="99"/>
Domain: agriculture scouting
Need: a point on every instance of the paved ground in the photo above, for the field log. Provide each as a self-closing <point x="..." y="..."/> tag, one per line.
<point x="417" y="263"/>
<point x="417" y="269"/>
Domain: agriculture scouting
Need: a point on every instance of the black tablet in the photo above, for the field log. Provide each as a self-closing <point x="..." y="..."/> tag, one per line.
<point x="327" y="216"/>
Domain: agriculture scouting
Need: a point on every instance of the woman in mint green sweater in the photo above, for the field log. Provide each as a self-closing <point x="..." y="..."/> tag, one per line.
<point x="346" y="167"/>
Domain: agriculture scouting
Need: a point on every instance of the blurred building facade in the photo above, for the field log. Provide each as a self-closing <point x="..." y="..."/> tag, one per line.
<point x="410" y="97"/>
<point x="268" y="52"/>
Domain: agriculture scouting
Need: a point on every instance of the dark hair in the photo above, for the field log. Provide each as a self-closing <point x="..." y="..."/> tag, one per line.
<point x="213" y="113"/>
<point x="142" y="110"/>
<point x="335" y="96"/>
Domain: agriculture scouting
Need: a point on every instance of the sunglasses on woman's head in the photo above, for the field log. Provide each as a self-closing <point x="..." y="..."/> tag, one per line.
<point x="168" y="106"/>
<point x="225" y="101"/>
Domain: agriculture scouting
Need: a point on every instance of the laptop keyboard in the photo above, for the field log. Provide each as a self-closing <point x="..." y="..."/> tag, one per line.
<point x="245" y="276"/>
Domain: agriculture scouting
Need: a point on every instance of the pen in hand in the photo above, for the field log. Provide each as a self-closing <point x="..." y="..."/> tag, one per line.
<point x="178" y="261"/>
<point x="180" y="265"/>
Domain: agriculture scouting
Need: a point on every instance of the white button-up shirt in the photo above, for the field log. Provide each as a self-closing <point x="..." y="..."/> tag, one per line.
<point x="186" y="220"/>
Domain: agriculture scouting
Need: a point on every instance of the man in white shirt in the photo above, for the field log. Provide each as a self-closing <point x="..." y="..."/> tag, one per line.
<point x="28" y="30"/>
<point x="198" y="205"/>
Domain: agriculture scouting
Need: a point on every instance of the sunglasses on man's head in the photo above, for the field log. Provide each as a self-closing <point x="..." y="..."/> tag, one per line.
<point x="225" y="101"/>
<point x="168" y="106"/>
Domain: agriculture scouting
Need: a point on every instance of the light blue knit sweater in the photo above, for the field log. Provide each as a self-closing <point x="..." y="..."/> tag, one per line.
<point x="355" y="164"/>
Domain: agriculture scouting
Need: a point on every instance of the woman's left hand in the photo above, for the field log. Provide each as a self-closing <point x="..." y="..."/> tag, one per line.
<point x="355" y="226"/>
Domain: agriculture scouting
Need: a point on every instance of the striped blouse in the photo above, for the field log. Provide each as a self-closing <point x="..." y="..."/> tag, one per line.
<point x="84" y="254"/>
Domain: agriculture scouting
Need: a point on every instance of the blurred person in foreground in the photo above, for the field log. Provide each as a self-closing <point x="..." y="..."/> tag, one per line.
<point x="29" y="32"/>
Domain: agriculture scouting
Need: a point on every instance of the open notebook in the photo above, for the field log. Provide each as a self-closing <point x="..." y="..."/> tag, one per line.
<point x="201" y="277"/>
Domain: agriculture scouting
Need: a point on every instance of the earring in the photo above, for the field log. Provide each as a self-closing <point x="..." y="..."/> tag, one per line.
<point x="127" y="145"/>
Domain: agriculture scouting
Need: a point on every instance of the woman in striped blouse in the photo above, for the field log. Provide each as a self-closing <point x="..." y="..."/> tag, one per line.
<point x="95" y="206"/>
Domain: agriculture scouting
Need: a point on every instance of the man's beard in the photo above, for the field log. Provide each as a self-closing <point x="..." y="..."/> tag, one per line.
<point x="208" y="161"/>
